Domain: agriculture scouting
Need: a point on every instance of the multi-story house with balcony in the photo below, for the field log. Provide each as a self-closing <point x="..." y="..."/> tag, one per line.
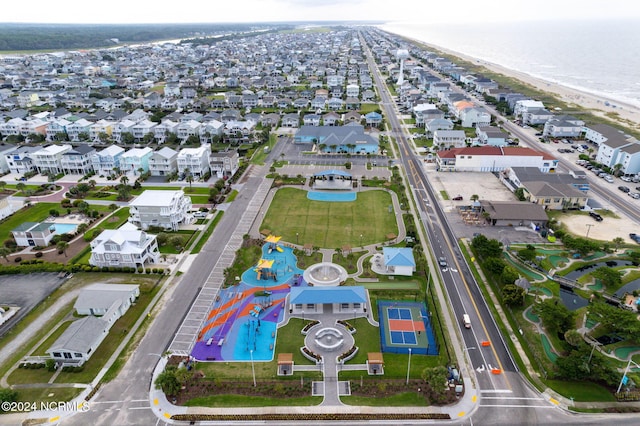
<point x="163" y="162"/>
<point x="136" y="160"/>
<point x="124" y="247"/>
<point x="57" y="129"/>
<point x="49" y="159"/>
<point x="100" y="127"/>
<point x="78" y="160"/>
<point x="164" y="209"/>
<point x="122" y="127"/>
<point x="195" y="161"/>
<point x="162" y="130"/>
<point x="79" y="130"/>
<point x="224" y="164"/>
<point x="106" y="161"/>
<point x="142" y="128"/>
<point x="19" y="160"/>
<point x="188" y="128"/>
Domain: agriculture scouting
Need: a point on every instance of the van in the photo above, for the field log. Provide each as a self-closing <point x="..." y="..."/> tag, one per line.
<point x="466" y="321"/>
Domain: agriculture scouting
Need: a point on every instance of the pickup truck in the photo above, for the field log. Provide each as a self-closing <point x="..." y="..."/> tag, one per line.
<point x="635" y="237"/>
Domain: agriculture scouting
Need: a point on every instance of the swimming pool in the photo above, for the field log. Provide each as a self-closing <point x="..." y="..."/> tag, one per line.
<point x="65" y="228"/>
<point x="331" y="196"/>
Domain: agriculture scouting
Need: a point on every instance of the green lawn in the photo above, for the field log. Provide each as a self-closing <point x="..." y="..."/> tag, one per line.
<point x="581" y="391"/>
<point x="34" y="213"/>
<point x="331" y="225"/>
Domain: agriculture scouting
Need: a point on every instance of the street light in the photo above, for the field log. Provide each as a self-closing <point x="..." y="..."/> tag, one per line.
<point x="360" y="240"/>
<point x="253" y="371"/>
<point x="297" y="238"/>
<point x="408" y="367"/>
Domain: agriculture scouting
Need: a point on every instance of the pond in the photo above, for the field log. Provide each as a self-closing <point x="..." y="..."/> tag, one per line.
<point x="583" y="270"/>
<point x="571" y="300"/>
<point x="628" y="288"/>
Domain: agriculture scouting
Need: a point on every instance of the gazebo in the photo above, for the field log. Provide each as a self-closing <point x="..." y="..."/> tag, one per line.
<point x="375" y="363"/>
<point x="285" y="364"/>
<point x="333" y="179"/>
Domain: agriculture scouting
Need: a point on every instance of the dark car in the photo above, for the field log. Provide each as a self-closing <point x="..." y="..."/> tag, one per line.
<point x="635" y="237"/>
<point x="596" y="216"/>
<point x="457" y="198"/>
<point x="624" y="189"/>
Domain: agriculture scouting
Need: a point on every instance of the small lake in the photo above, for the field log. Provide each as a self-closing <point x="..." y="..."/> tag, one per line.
<point x="571" y="300"/>
<point x="583" y="270"/>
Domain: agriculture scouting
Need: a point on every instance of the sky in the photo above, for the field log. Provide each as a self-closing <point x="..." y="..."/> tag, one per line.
<point x="216" y="11"/>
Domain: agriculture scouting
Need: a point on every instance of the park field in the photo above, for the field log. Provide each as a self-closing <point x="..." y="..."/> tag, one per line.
<point x="331" y="224"/>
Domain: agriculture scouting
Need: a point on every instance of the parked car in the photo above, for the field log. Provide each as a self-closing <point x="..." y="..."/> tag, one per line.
<point x="609" y="178"/>
<point x="458" y="198"/>
<point x="637" y="188"/>
<point x="596" y="216"/>
<point x="625" y="178"/>
<point x="635" y="195"/>
<point x="624" y="189"/>
<point x="635" y="237"/>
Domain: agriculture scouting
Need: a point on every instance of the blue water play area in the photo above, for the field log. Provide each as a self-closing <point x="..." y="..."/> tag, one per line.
<point x="332" y="196"/>
<point x="242" y="322"/>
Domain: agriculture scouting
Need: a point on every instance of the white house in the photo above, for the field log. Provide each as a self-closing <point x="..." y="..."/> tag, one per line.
<point x="166" y="209"/>
<point x="80" y="340"/>
<point x="399" y="260"/>
<point x="49" y="159"/>
<point x="124" y="247"/>
<point x="449" y="138"/>
<point x="19" y="160"/>
<point x="196" y="160"/>
<point x="96" y="299"/>
<point x="163" y="162"/>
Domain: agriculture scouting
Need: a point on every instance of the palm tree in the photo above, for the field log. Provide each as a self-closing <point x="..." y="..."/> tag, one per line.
<point x="20" y="186"/>
<point x="618" y="241"/>
<point x="62" y="246"/>
<point x="189" y="179"/>
<point x="3" y="184"/>
<point x="474" y="197"/>
<point x="4" y="252"/>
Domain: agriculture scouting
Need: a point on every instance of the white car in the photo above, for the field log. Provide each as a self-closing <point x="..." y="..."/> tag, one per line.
<point x="609" y="178"/>
<point x="625" y="179"/>
<point x="635" y="195"/>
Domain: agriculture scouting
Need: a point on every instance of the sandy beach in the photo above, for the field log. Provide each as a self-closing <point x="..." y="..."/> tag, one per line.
<point x="627" y="115"/>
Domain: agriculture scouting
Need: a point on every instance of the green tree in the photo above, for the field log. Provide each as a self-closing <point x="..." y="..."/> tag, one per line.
<point x="436" y="378"/>
<point x="4" y="252"/>
<point x="573" y="337"/>
<point x="509" y="275"/>
<point x="189" y="179"/>
<point x="623" y="322"/>
<point x="20" y="186"/>
<point x="124" y="180"/>
<point x="8" y="395"/>
<point x="528" y="253"/>
<point x="513" y="295"/>
<point x="63" y="246"/>
<point x="554" y="315"/>
<point x="520" y="194"/>
<point x="617" y="242"/>
<point x="609" y="277"/>
<point x="486" y="248"/>
<point x="167" y="381"/>
<point x="3" y="185"/>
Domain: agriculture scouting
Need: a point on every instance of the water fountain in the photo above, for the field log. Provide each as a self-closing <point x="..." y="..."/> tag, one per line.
<point x="325" y="274"/>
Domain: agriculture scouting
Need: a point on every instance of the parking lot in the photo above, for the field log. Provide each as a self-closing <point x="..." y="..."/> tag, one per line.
<point x="25" y="291"/>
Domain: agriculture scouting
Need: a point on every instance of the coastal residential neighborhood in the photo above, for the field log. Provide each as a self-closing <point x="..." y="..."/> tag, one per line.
<point x="332" y="218"/>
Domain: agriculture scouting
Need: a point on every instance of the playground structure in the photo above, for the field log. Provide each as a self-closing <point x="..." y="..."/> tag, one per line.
<point x="263" y="270"/>
<point x="273" y="243"/>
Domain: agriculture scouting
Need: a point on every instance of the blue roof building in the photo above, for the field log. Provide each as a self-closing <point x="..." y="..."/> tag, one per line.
<point x="314" y="300"/>
<point x="399" y="260"/>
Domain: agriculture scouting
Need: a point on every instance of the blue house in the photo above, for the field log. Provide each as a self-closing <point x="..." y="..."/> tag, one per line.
<point x="373" y="118"/>
<point x="338" y="139"/>
<point x="399" y="260"/>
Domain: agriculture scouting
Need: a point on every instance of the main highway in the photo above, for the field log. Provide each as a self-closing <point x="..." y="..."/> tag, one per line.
<point x="505" y="396"/>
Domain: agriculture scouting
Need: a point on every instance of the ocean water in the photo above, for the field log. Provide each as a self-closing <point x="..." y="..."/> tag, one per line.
<point x="598" y="57"/>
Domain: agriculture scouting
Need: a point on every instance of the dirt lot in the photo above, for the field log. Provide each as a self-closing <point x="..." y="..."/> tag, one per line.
<point x="607" y="230"/>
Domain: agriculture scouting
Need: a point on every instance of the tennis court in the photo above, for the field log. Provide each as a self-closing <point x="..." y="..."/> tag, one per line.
<point x="404" y="326"/>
